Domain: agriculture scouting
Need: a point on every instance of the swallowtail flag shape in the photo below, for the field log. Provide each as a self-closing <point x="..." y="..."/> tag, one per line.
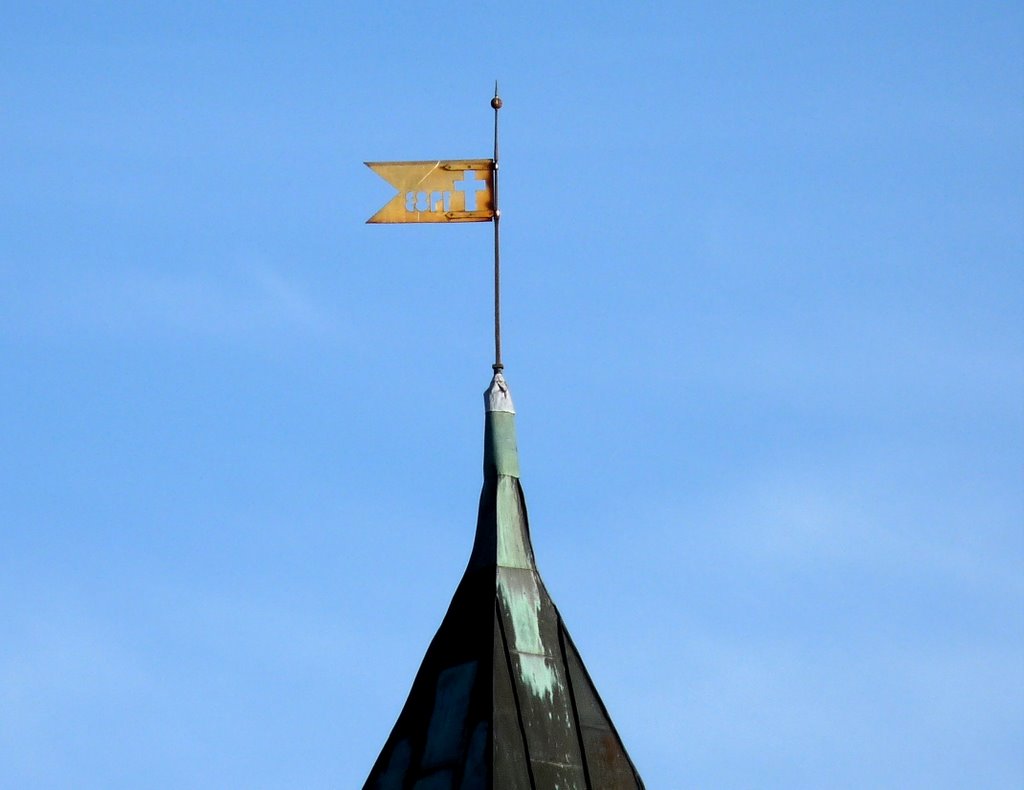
<point x="460" y="190"/>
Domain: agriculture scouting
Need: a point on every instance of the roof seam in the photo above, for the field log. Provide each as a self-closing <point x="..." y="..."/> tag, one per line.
<point x="515" y="693"/>
<point x="572" y="701"/>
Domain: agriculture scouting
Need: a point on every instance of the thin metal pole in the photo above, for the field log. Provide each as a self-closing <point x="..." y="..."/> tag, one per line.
<point x="497" y="366"/>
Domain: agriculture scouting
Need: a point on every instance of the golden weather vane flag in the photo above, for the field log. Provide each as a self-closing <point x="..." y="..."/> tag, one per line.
<point x="459" y="190"/>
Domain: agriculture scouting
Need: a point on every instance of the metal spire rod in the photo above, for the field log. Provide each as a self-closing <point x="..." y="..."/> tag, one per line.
<point x="497" y="366"/>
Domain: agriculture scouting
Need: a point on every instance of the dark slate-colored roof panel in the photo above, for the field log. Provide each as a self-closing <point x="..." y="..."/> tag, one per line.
<point x="502" y="698"/>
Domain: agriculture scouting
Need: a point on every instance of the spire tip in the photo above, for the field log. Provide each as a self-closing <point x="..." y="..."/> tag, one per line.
<point x="497" y="397"/>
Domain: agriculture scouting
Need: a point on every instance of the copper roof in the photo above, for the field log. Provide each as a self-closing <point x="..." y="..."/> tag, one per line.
<point x="502" y="698"/>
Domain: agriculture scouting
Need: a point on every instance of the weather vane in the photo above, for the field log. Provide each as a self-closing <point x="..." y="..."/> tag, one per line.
<point x="455" y="190"/>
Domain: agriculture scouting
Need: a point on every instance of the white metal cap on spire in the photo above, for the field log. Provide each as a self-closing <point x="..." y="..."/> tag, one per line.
<point x="498" y="397"/>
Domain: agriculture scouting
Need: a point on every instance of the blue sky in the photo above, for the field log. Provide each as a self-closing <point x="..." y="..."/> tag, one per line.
<point x="764" y="326"/>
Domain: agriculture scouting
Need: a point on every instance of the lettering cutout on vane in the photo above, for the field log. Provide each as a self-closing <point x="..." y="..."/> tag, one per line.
<point x="437" y="191"/>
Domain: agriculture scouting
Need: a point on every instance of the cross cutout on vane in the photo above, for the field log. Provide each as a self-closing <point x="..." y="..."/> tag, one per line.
<point x="470" y="184"/>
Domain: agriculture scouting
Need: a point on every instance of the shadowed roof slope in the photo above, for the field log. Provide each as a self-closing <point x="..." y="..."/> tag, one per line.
<point x="502" y="699"/>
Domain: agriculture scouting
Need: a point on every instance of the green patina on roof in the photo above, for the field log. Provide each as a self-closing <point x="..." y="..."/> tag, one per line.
<point x="513" y="542"/>
<point x="502" y="699"/>
<point x="500" y="452"/>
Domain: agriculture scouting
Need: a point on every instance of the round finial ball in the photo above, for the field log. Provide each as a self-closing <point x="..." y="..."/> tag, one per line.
<point x="496" y="102"/>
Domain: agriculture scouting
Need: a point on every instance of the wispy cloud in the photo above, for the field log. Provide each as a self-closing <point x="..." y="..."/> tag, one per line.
<point x="808" y="520"/>
<point x="815" y="715"/>
<point x="54" y="666"/>
<point x="237" y="304"/>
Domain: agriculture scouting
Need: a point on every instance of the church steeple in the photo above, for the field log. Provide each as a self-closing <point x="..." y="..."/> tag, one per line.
<point x="502" y="699"/>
